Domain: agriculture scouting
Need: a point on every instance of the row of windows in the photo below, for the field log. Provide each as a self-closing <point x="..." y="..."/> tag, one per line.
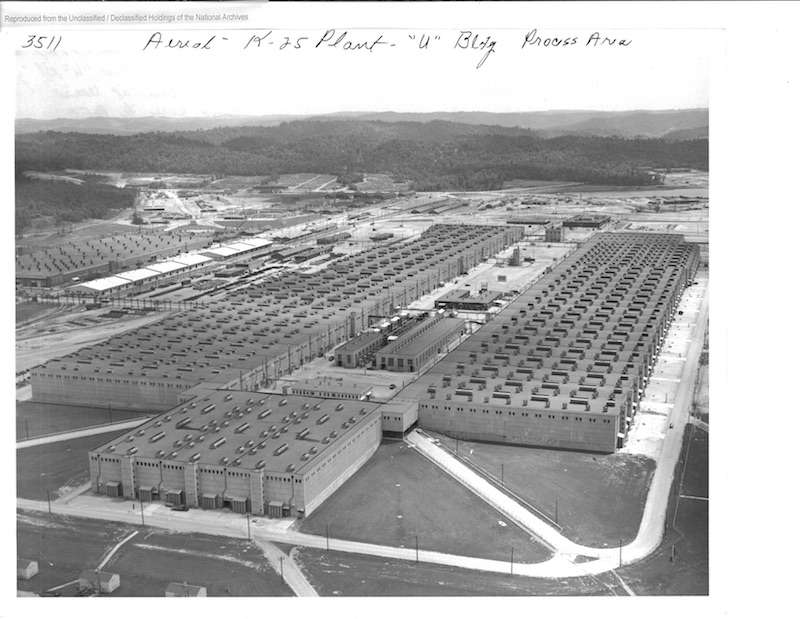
<point x="510" y="412"/>
<point x="123" y="381"/>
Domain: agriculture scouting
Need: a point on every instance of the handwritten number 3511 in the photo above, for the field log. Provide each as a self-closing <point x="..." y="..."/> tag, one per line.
<point x="42" y="42"/>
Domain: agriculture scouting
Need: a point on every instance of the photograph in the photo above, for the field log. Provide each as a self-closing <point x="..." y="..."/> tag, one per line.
<point x="324" y="303"/>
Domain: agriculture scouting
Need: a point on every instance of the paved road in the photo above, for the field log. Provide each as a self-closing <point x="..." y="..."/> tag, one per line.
<point x="283" y="564"/>
<point x="67" y="436"/>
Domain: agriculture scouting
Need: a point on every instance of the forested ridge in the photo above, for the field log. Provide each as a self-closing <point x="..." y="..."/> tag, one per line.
<point x="436" y="155"/>
<point x="56" y="202"/>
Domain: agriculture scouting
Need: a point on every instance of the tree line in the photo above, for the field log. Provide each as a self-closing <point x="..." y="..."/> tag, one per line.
<point x="435" y="155"/>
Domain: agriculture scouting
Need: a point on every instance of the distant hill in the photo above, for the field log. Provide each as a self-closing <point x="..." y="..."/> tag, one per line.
<point x="130" y="126"/>
<point x="649" y="124"/>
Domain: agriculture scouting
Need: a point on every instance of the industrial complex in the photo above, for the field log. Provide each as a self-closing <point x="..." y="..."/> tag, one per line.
<point x="561" y="361"/>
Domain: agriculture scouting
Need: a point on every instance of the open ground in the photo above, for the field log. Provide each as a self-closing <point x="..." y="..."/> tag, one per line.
<point x="40" y="419"/>
<point x="683" y="571"/>
<point x="146" y="563"/>
<point x="57" y="468"/>
<point x="600" y="497"/>
<point x="398" y="498"/>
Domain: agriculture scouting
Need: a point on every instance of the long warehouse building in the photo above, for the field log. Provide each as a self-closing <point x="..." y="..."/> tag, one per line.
<point x="566" y="363"/>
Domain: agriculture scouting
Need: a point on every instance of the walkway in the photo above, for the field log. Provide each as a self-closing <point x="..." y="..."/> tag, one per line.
<point x="287" y="568"/>
<point x="67" y="436"/>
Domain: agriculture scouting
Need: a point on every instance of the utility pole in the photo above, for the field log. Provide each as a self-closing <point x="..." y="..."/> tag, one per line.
<point x="416" y="546"/>
<point x="620" y="553"/>
<point x="141" y="505"/>
<point x="512" y="560"/>
<point x="327" y="539"/>
<point x="248" y="524"/>
<point x="282" y="580"/>
<point x="502" y="478"/>
<point x="556" y="511"/>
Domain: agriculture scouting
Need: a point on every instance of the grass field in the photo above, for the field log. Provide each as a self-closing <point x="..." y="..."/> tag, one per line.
<point x="398" y="495"/>
<point x="147" y="563"/>
<point x="687" y="531"/>
<point x="63" y="547"/>
<point x="65" y="466"/>
<point x="226" y="567"/>
<point x="342" y="574"/>
<point x="600" y="497"/>
<point x="31" y="310"/>
<point x="695" y="477"/>
<point x="75" y="232"/>
<point x="39" y="419"/>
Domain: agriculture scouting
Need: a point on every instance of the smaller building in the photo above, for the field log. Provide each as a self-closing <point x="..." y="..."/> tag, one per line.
<point x="587" y="221"/>
<point x="359" y="350"/>
<point x="466" y="300"/>
<point x="27" y="569"/>
<point x="326" y="387"/>
<point x="419" y="345"/>
<point x="554" y="234"/>
<point x="399" y="416"/>
<point x="182" y="590"/>
<point x="98" y="582"/>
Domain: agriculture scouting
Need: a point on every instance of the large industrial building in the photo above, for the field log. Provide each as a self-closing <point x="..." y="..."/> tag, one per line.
<point x="565" y="364"/>
<point x="62" y="263"/>
<point x="258" y="334"/>
<point x="274" y="455"/>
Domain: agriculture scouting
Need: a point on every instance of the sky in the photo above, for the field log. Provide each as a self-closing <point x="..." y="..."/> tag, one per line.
<point x="110" y="74"/>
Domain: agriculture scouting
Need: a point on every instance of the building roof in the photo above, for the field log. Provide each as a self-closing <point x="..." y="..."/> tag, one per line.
<point x="360" y="341"/>
<point x="191" y="259"/>
<point x="137" y="275"/>
<point x="252" y="430"/>
<point x="462" y="295"/>
<point x="421" y="337"/>
<point x="222" y="251"/>
<point x="103" y="284"/>
<point x="181" y="589"/>
<point x="165" y="267"/>
<point x="96" y="575"/>
<point x="330" y="385"/>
